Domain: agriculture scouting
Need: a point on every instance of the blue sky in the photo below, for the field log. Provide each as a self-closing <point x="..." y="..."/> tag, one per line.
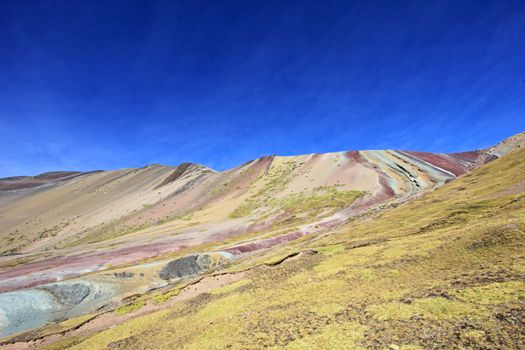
<point x="109" y="84"/>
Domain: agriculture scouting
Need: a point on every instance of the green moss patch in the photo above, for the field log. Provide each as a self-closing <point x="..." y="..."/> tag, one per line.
<point x="494" y="293"/>
<point x="321" y="198"/>
<point x="161" y="298"/>
<point x="331" y="249"/>
<point x="130" y="308"/>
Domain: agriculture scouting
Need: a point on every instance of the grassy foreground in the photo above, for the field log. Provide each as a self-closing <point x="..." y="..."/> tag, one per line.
<point x="443" y="271"/>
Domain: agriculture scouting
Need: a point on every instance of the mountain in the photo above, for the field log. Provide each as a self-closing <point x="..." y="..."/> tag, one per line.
<point x="371" y="248"/>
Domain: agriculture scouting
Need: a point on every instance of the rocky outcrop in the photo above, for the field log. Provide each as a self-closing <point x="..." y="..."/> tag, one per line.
<point x="181" y="170"/>
<point x="123" y="275"/>
<point x="72" y="294"/>
<point x="192" y="265"/>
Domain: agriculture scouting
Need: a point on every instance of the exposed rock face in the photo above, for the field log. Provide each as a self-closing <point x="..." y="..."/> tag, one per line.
<point x="28" y="308"/>
<point x="181" y="170"/>
<point x="182" y="267"/>
<point x="508" y="145"/>
<point x="190" y="266"/>
<point x="72" y="294"/>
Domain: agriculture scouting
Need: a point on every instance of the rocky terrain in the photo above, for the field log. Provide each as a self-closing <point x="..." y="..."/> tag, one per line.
<point x="361" y="249"/>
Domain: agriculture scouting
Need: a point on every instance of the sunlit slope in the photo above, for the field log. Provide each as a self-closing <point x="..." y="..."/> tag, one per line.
<point x="92" y="207"/>
<point x="166" y="227"/>
<point x="446" y="270"/>
<point x="98" y="221"/>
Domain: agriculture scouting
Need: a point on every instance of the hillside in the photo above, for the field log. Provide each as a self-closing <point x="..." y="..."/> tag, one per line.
<point x="95" y="220"/>
<point x="370" y="249"/>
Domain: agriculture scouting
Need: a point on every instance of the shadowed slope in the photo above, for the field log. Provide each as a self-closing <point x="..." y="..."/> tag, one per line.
<point x="45" y="179"/>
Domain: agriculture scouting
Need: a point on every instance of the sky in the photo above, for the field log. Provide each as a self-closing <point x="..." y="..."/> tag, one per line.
<point x="90" y="85"/>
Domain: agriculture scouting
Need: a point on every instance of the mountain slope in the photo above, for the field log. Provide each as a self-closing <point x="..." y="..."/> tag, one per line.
<point x="82" y="224"/>
<point x="43" y="216"/>
<point x="85" y="207"/>
<point x="357" y="248"/>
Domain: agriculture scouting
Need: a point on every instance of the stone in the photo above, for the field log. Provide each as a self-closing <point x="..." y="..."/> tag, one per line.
<point x="70" y="293"/>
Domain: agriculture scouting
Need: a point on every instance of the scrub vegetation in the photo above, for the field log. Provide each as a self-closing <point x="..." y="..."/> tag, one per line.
<point x="320" y="199"/>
